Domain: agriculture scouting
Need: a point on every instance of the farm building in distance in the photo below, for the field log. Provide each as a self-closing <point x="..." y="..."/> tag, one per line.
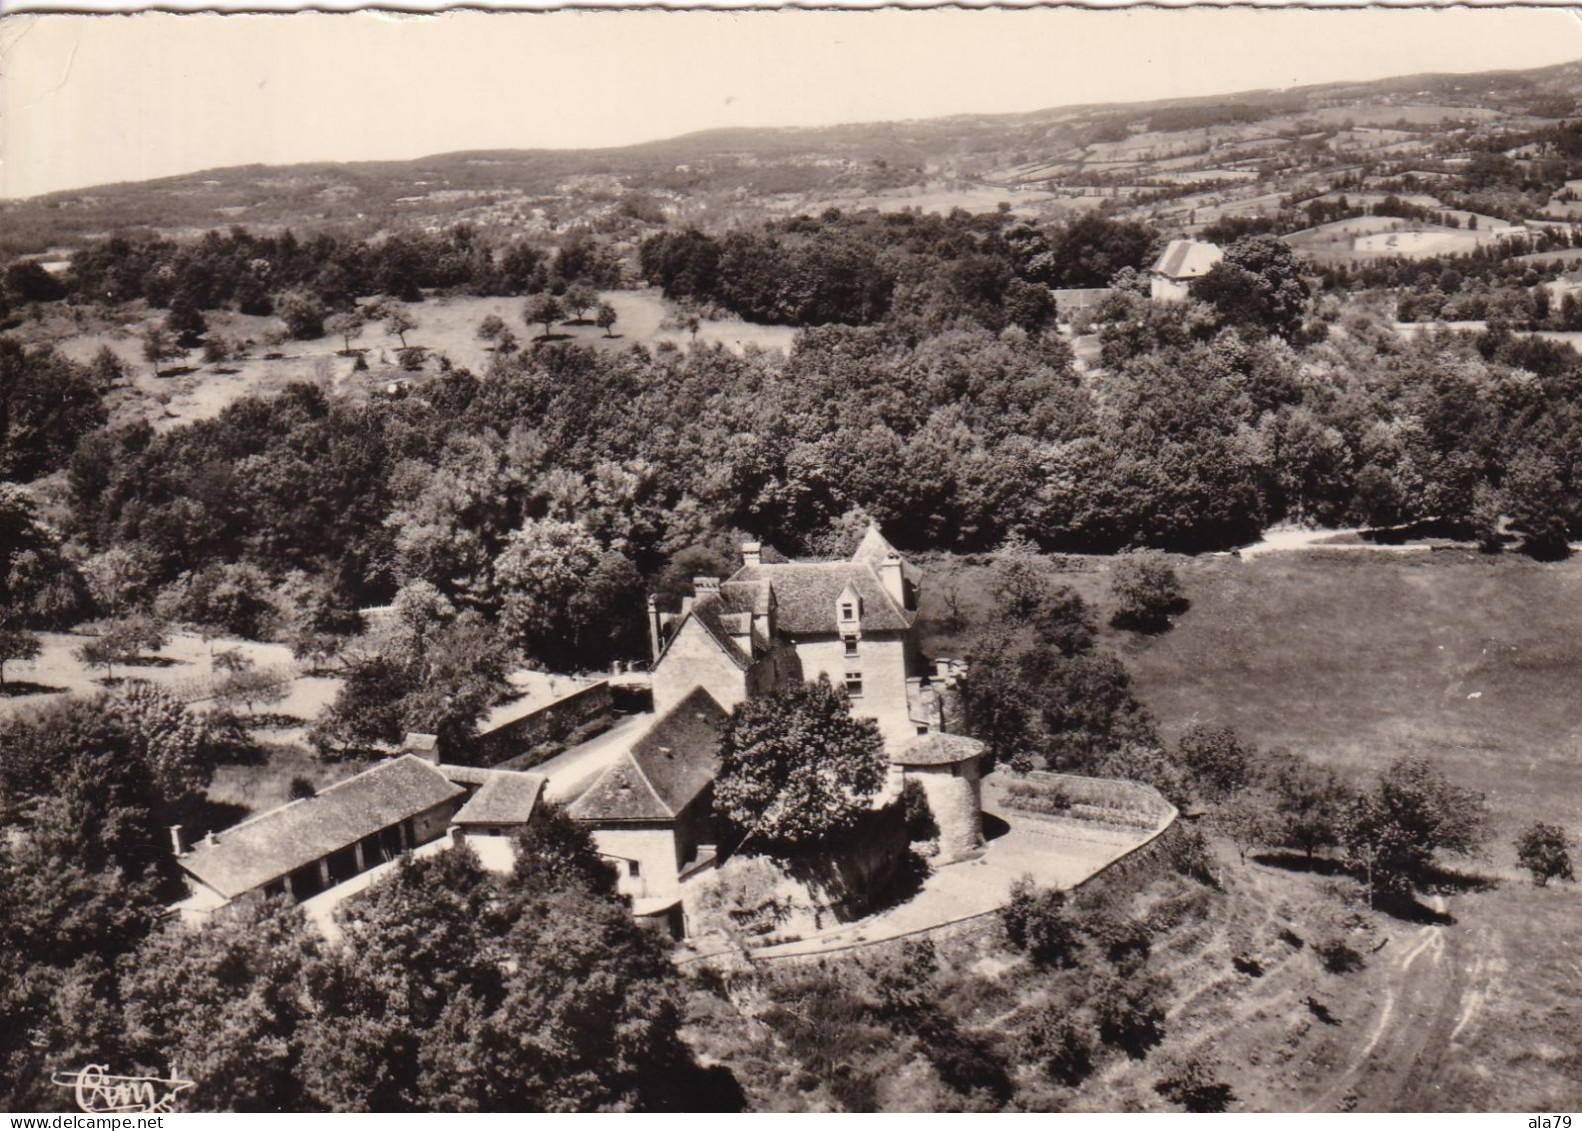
<point x="1180" y="263"/>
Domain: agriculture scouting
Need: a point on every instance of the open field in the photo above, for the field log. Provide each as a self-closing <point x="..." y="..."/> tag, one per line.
<point x="940" y="199"/>
<point x="1355" y="658"/>
<point x="182" y="667"/>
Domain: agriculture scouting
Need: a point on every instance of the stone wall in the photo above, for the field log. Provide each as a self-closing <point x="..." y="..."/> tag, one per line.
<point x="694" y="659"/>
<point x="515" y="742"/>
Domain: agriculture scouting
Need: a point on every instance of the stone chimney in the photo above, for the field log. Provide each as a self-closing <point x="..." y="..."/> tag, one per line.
<point x="890" y="578"/>
<point x="176" y="844"/>
<point x="656" y="639"/>
<point x="752" y="554"/>
<point x="211" y="840"/>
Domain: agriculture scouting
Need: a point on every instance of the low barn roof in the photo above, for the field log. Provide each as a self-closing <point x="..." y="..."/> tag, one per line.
<point x="1187" y="259"/>
<point x="938" y="750"/>
<point x="507" y="797"/>
<point x="282" y="840"/>
<point x="665" y="770"/>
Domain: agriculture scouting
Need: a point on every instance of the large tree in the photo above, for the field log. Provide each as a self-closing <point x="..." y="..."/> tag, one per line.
<point x="543" y="310"/>
<point x="796" y="768"/>
<point x="1395" y="833"/>
<point x="1258" y="285"/>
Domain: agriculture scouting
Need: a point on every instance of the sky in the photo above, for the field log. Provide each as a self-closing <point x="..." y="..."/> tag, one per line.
<point x="91" y="100"/>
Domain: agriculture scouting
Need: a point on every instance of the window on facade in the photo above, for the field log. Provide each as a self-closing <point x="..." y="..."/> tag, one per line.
<point x="851" y="646"/>
<point x="634" y="868"/>
<point x="922" y="728"/>
<point x="848" y="611"/>
<point x="854" y="684"/>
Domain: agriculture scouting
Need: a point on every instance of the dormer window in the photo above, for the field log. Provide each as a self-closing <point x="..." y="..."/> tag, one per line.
<point x="848" y="611"/>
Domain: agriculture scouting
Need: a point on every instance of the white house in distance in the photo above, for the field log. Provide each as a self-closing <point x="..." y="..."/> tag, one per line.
<point x="1180" y="263"/>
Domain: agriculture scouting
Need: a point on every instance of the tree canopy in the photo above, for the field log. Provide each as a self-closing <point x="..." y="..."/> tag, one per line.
<point x="797" y="769"/>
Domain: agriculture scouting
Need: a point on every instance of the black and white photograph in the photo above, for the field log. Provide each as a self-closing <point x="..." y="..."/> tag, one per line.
<point x="944" y="560"/>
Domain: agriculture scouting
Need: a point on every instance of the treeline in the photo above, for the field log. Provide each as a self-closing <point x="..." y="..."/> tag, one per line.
<point x="254" y="273"/>
<point x="864" y="268"/>
<point x="456" y="989"/>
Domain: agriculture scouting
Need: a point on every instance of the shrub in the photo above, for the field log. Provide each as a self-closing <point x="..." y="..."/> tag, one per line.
<point x="1544" y="850"/>
<point x="1146" y="590"/>
<point x="1338" y="955"/>
<point x="1037" y="923"/>
<point x="1131" y="1013"/>
<point x="1193" y="1082"/>
<point x="301" y="788"/>
<point x="920" y="823"/>
<point x="1060" y="1045"/>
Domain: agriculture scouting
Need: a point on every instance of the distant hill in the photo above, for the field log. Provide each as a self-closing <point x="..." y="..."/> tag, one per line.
<point x="688" y="175"/>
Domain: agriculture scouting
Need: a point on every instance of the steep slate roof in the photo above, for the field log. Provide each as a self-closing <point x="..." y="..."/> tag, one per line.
<point x="806" y="594"/>
<point x="1187" y="259"/>
<point x="282" y="840"/>
<point x="664" y="771"/>
<point x="875" y="548"/>
<point x="937" y="750"/>
<point x="507" y="797"/>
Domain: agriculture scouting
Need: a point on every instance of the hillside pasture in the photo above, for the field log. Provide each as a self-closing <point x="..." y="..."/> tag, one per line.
<point x="1370" y="237"/>
<point x="1354" y="659"/>
<point x="191" y="389"/>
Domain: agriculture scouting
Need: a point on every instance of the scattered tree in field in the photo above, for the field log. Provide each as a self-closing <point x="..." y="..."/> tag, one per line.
<point x="1217" y="762"/>
<point x="216" y="349"/>
<point x="1545" y="851"/>
<point x="301" y="788"/>
<point x="185" y="322"/>
<point x="490" y="329"/>
<point x="1248" y="820"/>
<point x="1146" y="591"/>
<point x="16" y="643"/>
<point x="692" y="324"/>
<point x="106" y="370"/>
<point x="122" y="642"/>
<point x="399" y="321"/>
<point x="1310" y="803"/>
<point x="1131" y="1012"/>
<point x="1394" y="833"/>
<point x="543" y="310"/>
<point x="605" y="318"/>
<point x="507" y="343"/>
<point x="303" y="315"/>
<point x="578" y="300"/>
<point x="251" y="687"/>
<point x="796" y="768"/>
<point x="348" y="324"/>
<point x="160" y="346"/>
